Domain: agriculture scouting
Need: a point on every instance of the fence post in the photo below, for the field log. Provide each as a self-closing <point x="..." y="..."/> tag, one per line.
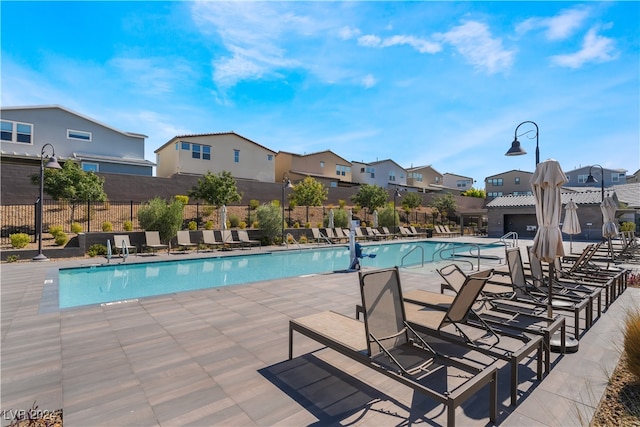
<point x="88" y="216"/>
<point x="248" y="215"/>
<point x="35" y="220"/>
<point x="131" y="211"/>
<point x="198" y="216"/>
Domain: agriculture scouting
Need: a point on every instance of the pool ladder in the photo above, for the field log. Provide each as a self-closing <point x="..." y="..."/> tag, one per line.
<point x="286" y="239"/>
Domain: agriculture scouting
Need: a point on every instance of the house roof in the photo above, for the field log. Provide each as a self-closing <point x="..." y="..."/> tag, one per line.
<point x="314" y="154"/>
<point x="110" y="159"/>
<point x="60" y="107"/>
<point x="580" y="198"/>
<point x="458" y="176"/>
<point x="199" y="135"/>
<point x="411" y="169"/>
<point x="504" y="173"/>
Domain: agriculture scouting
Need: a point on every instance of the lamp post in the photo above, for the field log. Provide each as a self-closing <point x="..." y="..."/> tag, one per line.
<point x="286" y="183"/>
<point x="592" y="180"/>
<point x="395" y="195"/>
<point x="516" y="149"/>
<point x="52" y="163"/>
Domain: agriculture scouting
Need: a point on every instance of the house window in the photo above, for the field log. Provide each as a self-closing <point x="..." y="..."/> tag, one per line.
<point x="494" y="194"/>
<point x="321" y="165"/>
<point x="392" y="176"/>
<point x="206" y="152"/>
<point x="186" y="146"/>
<point x="16" y="132"/>
<point x="341" y="170"/>
<point x="78" y="134"/>
<point x="236" y="156"/>
<point x="495" y="181"/>
<point x="437" y="179"/>
<point x="177" y="146"/>
<point x="517" y="182"/>
<point x="89" y="167"/>
<point x="416" y="176"/>
<point x="195" y="151"/>
<point x="461" y="183"/>
<point x="582" y="179"/>
<point x="615" y="177"/>
<point x="269" y="157"/>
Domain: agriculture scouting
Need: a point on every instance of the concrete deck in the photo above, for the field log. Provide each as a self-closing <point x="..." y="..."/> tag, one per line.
<point x="219" y="357"/>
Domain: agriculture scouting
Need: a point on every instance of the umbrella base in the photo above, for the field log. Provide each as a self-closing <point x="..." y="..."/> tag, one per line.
<point x="571" y="344"/>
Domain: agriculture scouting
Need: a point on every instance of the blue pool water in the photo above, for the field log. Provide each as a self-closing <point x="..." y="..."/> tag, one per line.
<point x="108" y="283"/>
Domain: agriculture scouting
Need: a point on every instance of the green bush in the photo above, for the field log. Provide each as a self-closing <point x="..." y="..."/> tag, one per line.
<point x="208" y="210"/>
<point x="253" y="204"/>
<point x="208" y="225"/>
<point x="193" y="226"/>
<point x="256" y="224"/>
<point x="127" y="225"/>
<point x="54" y="230"/>
<point x="234" y="220"/>
<point x="270" y="219"/>
<point x="97" y="249"/>
<point x="61" y="239"/>
<point x="13" y="258"/>
<point x="296" y="225"/>
<point x="307" y="225"/>
<point x="632" y="342"/>
<point x="107" y="227"/>
<point x="160" y="216"/>
<point x="182" y="199"/>
<point x="242" y="225"/>
<point x="76" y="228"/>
<point x="628" y="226"/>
<point x="303" y="238"/>
<point x="19" y="240"/>
<point x="388" y="217"/>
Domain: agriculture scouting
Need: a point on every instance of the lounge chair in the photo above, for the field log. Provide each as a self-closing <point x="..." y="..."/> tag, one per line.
<point x="209" y="239"/>
<point x="184" y="240"/>
<point x="451" y="233"/>
<point x="331" y="236"/>
<point x="121" y="244"/>
<point x="386" y="343"/>
<point x="530" y="323"/>
<point x="405" y="232"/>
<point x="341" y="236"/>
<point x="359" y="234"/>
<point x="152" y="239"/>
<point x="228" y="241"/>
<point x="319" y="236"/>
<point x="453" y="324"/>
<point x="243" y="237"/>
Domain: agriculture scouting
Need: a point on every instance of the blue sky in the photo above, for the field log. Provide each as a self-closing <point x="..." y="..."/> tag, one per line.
<point x="422" y="83"/>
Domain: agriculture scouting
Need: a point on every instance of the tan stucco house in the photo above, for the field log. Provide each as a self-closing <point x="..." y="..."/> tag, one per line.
<point x="325" y="166"/>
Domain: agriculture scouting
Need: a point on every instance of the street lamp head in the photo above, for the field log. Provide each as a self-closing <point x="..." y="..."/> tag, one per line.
<point x="397" y="193"/>
<point x="516" y="149"/>
<point x="591" y="179"/>
<point x="52" y="163"/>
<point x="287" y="184"/>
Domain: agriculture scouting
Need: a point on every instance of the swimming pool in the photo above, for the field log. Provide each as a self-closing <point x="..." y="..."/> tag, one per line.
<point x="109" y="283"/>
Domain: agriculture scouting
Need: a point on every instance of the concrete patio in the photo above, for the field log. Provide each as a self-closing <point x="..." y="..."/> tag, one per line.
<point x="218" y="357"/>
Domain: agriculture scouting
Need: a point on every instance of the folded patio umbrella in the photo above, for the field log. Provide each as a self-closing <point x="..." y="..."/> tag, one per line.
<point x="571" y="224"/>
<point x="609" y="228"/>
<point x="223" y="217"/>
<point x="330" y="222"/>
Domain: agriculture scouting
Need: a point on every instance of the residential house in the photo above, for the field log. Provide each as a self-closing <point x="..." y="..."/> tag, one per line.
<point x="511" y="183"/>
<point x="425" y="178"/>
<point x="96" y="146"/>
<point x="578" y="177"/>
<point x="462" y="183"/>
<point x="383" y="173"/>
<point x="216" y="152"/>
<point x="325" y="166"/>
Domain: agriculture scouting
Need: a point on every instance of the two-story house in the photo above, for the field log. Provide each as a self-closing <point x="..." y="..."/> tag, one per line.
<point x="96" y="146"/>
<point x="578" y="177"/>
<point x="462" y="183"/>
<point x="383" y="173"/>
<point x="216" y="152"/>
<point x="425" y="178"/>
<point x="325" y="166"/>
<point x="511" y="183"/>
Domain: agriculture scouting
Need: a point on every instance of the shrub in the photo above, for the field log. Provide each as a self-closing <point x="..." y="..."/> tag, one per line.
<point x="234" y="220"/>
<point x="193" y="226"/>
<point x="242" y="225"/>
<point x="270" y="219"/>
<point x="13" y="258"/>
<point x="107" y="226"/>
<point x="253" y="204"/>
<point x="97" y="249"/>
<point x="19" y="240"/>
<point x="256" y="224"/>
<point x="127" y="225"/>
<point x="319" y="225"/>
<point x="307" y="225"/>
<point x="632" y="342"/>
<point x="628" y="226"/>
<point x="290" y="239"/>
<point x="342" y="203"/>
<point x="363" y="224"/>
<point x="296" y="225"/>
<point x="303" y="238"/>
<point x="76" y="228"/>
<point x="166" y="218"/>
<point x="208" y="225"/>
<point x="182" y="199"/>
<point x="61" y="239"/>
<point x="208" y="210"/>
<point x="54" y="230"/>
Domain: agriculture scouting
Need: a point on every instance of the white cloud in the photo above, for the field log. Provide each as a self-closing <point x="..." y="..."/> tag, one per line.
<point x="474" y="42"/>
<point x="347" y="33"/>
<point x="421" y="45"/>
<point x="369" y="81"/>
<point x="595" y="48"/>
<point x="150" y="76"/>
<point x="558" y="27"/>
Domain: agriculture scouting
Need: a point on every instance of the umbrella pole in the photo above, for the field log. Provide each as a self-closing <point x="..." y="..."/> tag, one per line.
<point x="551" y="282"/>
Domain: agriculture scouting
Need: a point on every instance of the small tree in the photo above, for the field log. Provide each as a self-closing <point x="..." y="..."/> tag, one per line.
<point x="216" y="190"/>
<point x="371" y="197"/>
<point x="411" y="201"/>
<point x="158" y="215"/>
<point x="309" y="192"/>
<point x="444" y="204"/>
<point x="388" y="217"/>
<point x="271" y="221"/>
<point x="474" y="192"/>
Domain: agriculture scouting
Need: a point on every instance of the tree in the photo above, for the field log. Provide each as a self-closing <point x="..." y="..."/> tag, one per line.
<point x="158" y="215"/>
<point x="309" y="192"/>
<point x="270" y="220"/>
<point x="371" y="197"/>
<point x="72" y="184"/>
<point x="411" y="201"/>
<point x="217" y="190"/>
<point x="474" y="192"/>
<point x="388" y="217"/>
<point x="444" y="204"/>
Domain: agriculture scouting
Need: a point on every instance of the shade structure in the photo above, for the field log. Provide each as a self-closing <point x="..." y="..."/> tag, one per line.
<point x="223" y="217"/>
<point x="571" y="224"/>
<point x="375" y="218"/>
<point x="609" y="228"/>
<point x="547" y="244"/>
<point x="330" y="221"/>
